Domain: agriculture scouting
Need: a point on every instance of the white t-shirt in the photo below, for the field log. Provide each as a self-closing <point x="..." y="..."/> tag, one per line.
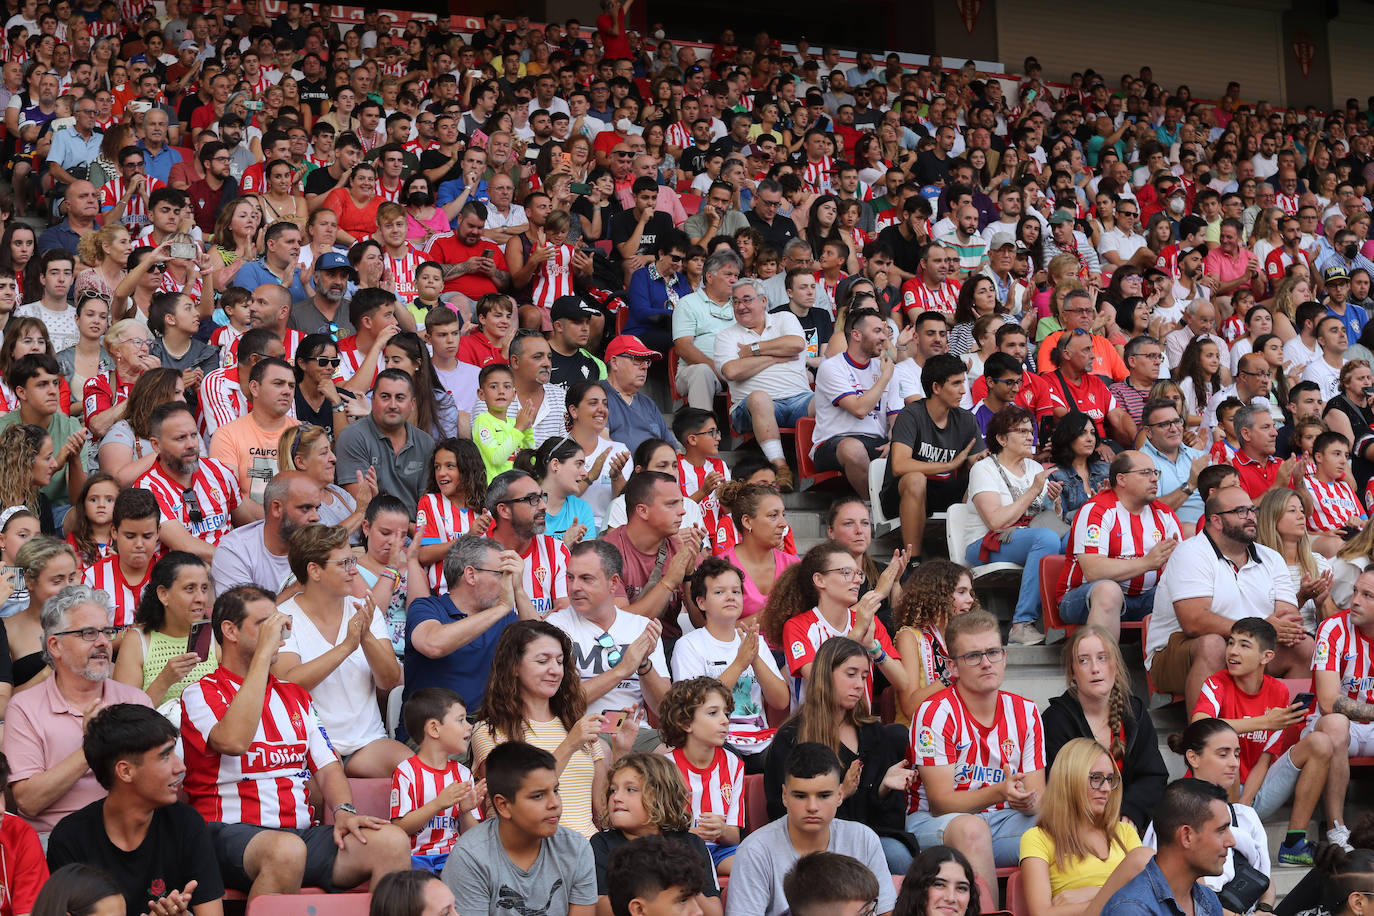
<point x="984" y="478"/>
<point x="61" y="325"/>
<point x="1325" y="375"/>
<point x="1298" y="353"/>
<point x="346" y="700"/>
<point x="591" y="658"/>
<point x="779" y="381"/>
<point x="905" y="383"/>
<point x="837" y="378"/>
<point x="1251" y="842"/>
<point x="1123" y="244"/>
<point x="599" y="491"/>
<point x="699" y="654"/>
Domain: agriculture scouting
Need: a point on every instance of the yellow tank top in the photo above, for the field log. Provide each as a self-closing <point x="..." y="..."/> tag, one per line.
<point x="158" y="650"/>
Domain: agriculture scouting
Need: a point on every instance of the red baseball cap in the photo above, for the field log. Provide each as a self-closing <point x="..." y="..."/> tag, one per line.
<point x="629" y="345"/>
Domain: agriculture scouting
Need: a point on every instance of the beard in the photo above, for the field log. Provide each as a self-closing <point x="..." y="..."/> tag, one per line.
<point x="1238" y="533"/>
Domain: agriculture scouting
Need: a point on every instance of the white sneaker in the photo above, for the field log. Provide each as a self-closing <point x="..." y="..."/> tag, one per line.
<point x="1025" y="634"/>
<point x="1339" y="834"/>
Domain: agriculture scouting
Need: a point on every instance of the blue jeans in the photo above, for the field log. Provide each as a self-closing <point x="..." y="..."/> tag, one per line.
<point x="1026" y="547"/>
<point x="897" y="855"/>
<point x="786" y="411"/>
<point x="1073" y="607"/>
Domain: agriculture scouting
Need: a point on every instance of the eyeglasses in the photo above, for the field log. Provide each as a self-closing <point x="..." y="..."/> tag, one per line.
<point x="1167" y="424"/>
<point x="1012" y="382"/>
<point x="1267" y="373"/>
<point x="607" y="641"/>
<point x="192" y="503"/>
<point x="494" y="572"/>
<point x="347" y="564"/>
<point x="849" y="573"/>
<point x="1149" y="473"/>
<point x="89" y="634"/>
<point x="532" y="500"/>
<point x="1241" y="511"/>
<point x="972" y="659"/>
<point x="159" y="266"/>
<point x="714" y="432"/>
<point x="1098" y="780"/>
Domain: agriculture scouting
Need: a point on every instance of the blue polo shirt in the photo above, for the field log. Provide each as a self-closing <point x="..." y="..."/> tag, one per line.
<point x="465" y="670"/>
<point x="69" y="149"/>
<point x="255" y="274"/>
<point x="1173" y="475"/>
<point x="159" y="166"/>
<point x="1148" y="894"/>
<point x="61" y="236"/>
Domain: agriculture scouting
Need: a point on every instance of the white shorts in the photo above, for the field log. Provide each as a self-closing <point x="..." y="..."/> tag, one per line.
<point x="1361" y="736"/>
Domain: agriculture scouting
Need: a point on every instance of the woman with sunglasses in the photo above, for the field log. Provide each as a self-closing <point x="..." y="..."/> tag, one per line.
<point x="339" y="649"/>
<point x="318" y="400"/>
<point x="134" y="294"/>
<point x="1081" y="851"/>
<point x="105" y="252"/>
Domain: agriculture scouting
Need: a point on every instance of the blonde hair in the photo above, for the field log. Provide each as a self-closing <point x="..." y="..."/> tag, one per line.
<point x="123" y="330"/>
<point x="91" y="248"/>
<point x="1064" y="813"/>
<point x="297" y="441"/>
<point x="1283" y="297"/>
<point x="1118" y="701"/>
<point x="1272" y="505"/>
<point x="667" y="802"/>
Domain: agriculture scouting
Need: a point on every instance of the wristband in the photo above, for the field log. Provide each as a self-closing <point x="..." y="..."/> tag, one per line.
<point x="644" y="668"/>
<point x="875" y="650"/>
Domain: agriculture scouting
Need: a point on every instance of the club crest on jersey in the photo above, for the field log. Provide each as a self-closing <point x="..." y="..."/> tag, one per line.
<point x="925" y="741"/>
<point x="1008" y="749"/>
<point x="541" y="575"/>
<point x="726" y="790"/>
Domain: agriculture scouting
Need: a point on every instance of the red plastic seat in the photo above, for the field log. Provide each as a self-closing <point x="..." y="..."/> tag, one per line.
<point x="370" y="796"/>
<point x="308" y="904"/>
<point x="691" y="203"/>
<point x="755" y="803"/>
<point x="806" y="429"/>
<point x="603" y="246"/>
<point x="1016" y="895"/>
<point x="1051" y="568"/>
<point x="622" y="317"/>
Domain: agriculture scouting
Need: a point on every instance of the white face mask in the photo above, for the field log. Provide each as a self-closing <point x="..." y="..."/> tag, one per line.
<point x="1176" y="206"/>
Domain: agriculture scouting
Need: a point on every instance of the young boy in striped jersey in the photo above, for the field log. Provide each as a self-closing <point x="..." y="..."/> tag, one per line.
<point x="694" y="720"/>
<point x="1336" y="509"/>
<point x="433" y="797"/>
<point x="700" y="472"/>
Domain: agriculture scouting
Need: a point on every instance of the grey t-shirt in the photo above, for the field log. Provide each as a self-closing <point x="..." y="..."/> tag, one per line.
<point x="766" y="855"/>
<point x="245" y="560"/>
<point x="484" y="880"/>
<point x="361" y="446"/>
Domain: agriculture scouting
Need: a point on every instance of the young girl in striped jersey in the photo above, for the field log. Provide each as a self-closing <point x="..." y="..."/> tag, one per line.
<point x="694" y="720"/>
<point x="453" y="505"/>
<point x="92" y="529"/>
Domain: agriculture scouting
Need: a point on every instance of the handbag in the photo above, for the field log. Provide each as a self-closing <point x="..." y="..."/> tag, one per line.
<point x="1247" y="884"/>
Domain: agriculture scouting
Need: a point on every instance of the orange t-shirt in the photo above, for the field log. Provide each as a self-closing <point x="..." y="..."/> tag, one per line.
<point x="251" y="451"/>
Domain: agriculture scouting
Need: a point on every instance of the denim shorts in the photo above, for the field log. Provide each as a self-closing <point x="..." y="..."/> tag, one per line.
<point x="1073" y="607"/>
<point x="786" y="411"/>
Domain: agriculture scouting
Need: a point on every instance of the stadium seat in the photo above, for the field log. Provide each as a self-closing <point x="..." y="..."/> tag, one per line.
<point x="622" y="317"/>
<point x="1016" y="895"/>
<point x="370" y="796"/>
<point x="603" y="246"/>
<point x="881" y="523"/>
<point x="755" y="803"/>
<point x="806" y="428"/>
<point x="684" y="186"/>
<point x="308" y="904"/>
<point x="989" y="576"/>
<point x="1051" y="568"/>
<point x="691" y="203"/>
<point x="672" y="375"/>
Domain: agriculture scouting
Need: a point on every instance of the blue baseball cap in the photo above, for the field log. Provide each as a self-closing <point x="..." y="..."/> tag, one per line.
<point x="333" y="260"/>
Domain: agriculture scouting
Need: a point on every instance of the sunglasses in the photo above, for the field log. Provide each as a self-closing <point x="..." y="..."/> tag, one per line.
<point x="607" y="641"/>
<point x="326" y="362"/>
<point x="192" y="503"/>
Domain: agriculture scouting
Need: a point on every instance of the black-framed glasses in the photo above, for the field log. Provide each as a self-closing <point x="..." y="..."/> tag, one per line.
<point x="532" y="500"/>
<point x="714" y="432"/>
<point x="1098" y="780"/>
<point x="192" y="503"/>
<point x="89" y="634"/>
<point x="973" y="659"/>
<point x="607" y="641"/>
<point x="870" y="909"/>
<point x="1241" y="511"/>
<point x="1265" y="374"/>
<point x="494" y="572"/>
<point x="1166" y="424"/>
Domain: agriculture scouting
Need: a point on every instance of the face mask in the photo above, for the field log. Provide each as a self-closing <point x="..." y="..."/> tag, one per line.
<point x="1351" y="250"/>
<point x="1176" y="206"/>
<point x="420" y="199"/>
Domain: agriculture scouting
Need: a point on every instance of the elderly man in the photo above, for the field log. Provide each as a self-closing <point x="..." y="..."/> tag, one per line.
<point x="1063" y="238"/>
<point x="255" y="554"/>
<point x="279" y="265"/>
<point x="763" y="357"/>
<point x="1013" y="292"/>
<point x="1251" y="386"/>
<point x="83" y="203"/>
<point x="1119" y="542"/>
<point x="653" y="564"/>
<point x="249" y="737"/>
<point x="1210" y="582"/>
<point x="450" y="638"/>
<point x="505" y="218"/>
<point x="1232" y="266"/>
<point x="796" y="255"/>
<point x="531" y="365"/>
<point x="1199" y="320"/>
<point x="1255" y="461"/>
<point x="387" y="443"/>
<point x="517" y="508"/>
<point x="1123" y="245"/>
<point x="158" y="157"/>
<point x="42" y="740"/>
<point x="76" y="146"/>
<point x="1079" y="313"/>
<point x="1178" y="464"/>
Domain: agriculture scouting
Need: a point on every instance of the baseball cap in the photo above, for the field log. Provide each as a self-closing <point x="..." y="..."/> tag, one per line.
<point x="1336" y="273"/>
<point x="571" y="308"/>
<point x="752" y="149"/>
<point x="630" y="345"/>
<point x="1001" y="240"/>
<point x="1060" y="217"/>
<point x="333" y="260"/>
<point x="188" y="45"/>
<point x="139" y="59"/>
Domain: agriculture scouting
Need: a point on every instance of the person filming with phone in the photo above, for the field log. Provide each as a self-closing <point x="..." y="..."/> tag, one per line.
<point x="619" y="655"/>
<point x="168" y="648"/>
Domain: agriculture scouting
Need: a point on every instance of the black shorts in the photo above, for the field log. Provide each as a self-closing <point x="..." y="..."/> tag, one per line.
<point x="825" y="459"/>
<point x="940" y="495"/>
<point x="231" y="842"/>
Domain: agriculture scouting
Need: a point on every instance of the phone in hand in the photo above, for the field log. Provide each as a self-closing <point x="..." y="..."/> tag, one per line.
<point x="580" y="187"/>
<point x="612" y="720"/>
<point x="183" y="250"/>
<point x="1305" y="699"/>
<point x="16" y="574"/>
<point x="199" y="640"/>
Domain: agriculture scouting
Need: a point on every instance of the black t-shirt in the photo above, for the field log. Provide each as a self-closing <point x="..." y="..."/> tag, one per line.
<point x="623" y="226"/>
<point x="176" y="849"/>
<point x="931" y="169"/>
<point x="578" y="367"/>
<point x="906" y="255"/>
<point x="777" y="234"/>
<point x="314" y="94"/>
<point x="817" y="324"/>
<point x="583" y="206"/>
<point x="928" y="442"/>
<point x="694" y="159"/>
<point x="433" y="159"/>
<point x="608" y="841"/>
<point x="319" y="181"/>
<point x="189" y="103"/>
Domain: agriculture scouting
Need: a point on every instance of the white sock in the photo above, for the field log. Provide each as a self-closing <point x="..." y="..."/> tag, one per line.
<point x="772" y="450"/>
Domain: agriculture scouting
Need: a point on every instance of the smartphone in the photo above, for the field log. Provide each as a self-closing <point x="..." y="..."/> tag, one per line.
<point x="565" y="158"/>
<point x="475" y="74"/>
<point x="532" y="153"/>
<point x="1304" y="699"/>
<point x="580" y="187"/>
<point x="16" y="574"/>
<point x="199" y="640"/>
<point x="614" y="719"/>
<point x="183" y="251"/>
<point x="253" y="105"/>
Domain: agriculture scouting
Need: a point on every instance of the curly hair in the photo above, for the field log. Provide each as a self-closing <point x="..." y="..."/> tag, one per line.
<point x="926" y="598"/>
<point x="1119" y="701"/>
<point x="92" y="247"/>
<point x="743" y="499"/>
<point x="667" y="802"/>
<point x="794" y="593"/>
<point x="472" y="473"/>
<point x="504" y="706"/>
<point x="679" y="707"/>
<point x="19" y="448"/>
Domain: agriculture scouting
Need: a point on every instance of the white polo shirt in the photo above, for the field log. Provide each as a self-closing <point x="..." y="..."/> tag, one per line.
<point x="1198" y="569"/>
<point x="1328" y="377"/>
<point x="779" y="381"/>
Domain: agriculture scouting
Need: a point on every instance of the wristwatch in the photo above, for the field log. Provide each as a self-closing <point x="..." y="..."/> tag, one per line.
<point x="1187" y="489"/>
<point x="346" y="807"/>
<point x="754" y="349"/>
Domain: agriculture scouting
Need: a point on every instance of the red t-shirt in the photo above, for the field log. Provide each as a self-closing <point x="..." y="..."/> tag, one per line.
<point x="449" y="250"/>
<point x="1089" y="396"/>
<point x="616" y="46"/>
<point x="475" y="349"/>
<point x="1222" y="698"/>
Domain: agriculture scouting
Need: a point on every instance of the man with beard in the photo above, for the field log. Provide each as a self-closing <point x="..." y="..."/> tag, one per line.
<point x="1209" y="583"/>
<point x="249" y="444"/>
<point x="212" y="193"/>
<point x="257" y="551"/>
<point x="398" y="451"/>
<point x="199" y="498"/>
<point x="518" y="511"/>
<point x="49" y="773"/>
<point x="325" y="312"/>
<point x="480" y="265"/>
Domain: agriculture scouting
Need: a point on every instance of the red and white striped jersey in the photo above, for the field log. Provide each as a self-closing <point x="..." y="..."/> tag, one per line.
<point x="419" y="146"/>
<point x="226" y="337"/>
<point x="216" y="490"/>
<point x="803" y="635"/>
<point x="691" y="478"/>
<point x="1342" y="648"/>
<point x="917" y="297"/>
<point x="1104" y="527"/>
<point x="1288" y="203"/>
<point x="102" y="392"/>
<point x="1277" y="262"/>
<point x="107" y="576"/>
<point x="397" y="69"/>
<point x="717" y="789"/>
<point x="171" y="284"/>
<point x="438" y="521"/>
<point x="99" y="29"/>
<point x="546" y="573"/>
<point x="678" y="134"/>
<point x="1232" y="329"/>
<point x="1168" y="260"/>
<point x="221" y="399"/>
<point x="257" y="87"/>
<point x="351" y="359"/>
<point x="554" y="278"/>
<point x="136" y="210"/>
<point x="403" y="272"/>
<point x="264" y="786"/>
<point x="392" y="194"/>
<point x="130" y="10"/>
<point x="817" y="175"/>
<point x="1334" y="504"/>
<point x="944" y="733"/>
<point x="414" y="785"/>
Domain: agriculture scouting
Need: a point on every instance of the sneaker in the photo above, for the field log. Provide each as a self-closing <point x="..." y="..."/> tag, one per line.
<point x="1339" y="835"/>
<point x="1025" y="634"/>
<point x="786" y="481"/>
<point x="1300" y="853"/>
